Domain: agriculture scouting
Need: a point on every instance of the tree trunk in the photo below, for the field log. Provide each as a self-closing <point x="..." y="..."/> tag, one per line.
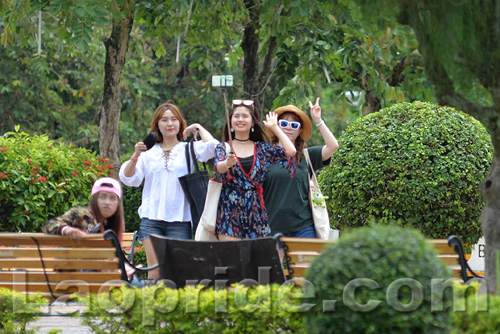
<point x="490" y="189"/>
<point x="250" y="47"/>
<point x="108" y="116"/>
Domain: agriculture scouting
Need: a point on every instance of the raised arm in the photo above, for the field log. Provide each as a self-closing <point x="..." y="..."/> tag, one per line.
<point x="197" y="128"/>
<point x="271" y="122"/>
<point x="331" y="144"/>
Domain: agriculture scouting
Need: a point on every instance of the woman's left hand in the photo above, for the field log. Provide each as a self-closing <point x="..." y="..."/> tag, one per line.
<point x="193" y="128"/>
<point x="315" y="111"/>
<point x="271" y="121"/>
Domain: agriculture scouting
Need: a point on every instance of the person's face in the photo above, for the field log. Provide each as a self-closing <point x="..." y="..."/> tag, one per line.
<point x="289" y="132"/>
<point x="241" y="121"/>
<point x="168" y="124"/>
<point x="107" y="203"/>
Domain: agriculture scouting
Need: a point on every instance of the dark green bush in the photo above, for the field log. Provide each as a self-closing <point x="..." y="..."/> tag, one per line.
<point x="132" y="198"/>
<point x="155" y="309"/>
<point x="379" y="258"/>
<point x="41" y="179"/>
<point x="417" y="163"/>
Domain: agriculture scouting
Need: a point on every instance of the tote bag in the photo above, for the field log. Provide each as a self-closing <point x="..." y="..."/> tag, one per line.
<point x="319" y="212"/>
<point x="206" y="227"/>
<point x="194" y="185"/>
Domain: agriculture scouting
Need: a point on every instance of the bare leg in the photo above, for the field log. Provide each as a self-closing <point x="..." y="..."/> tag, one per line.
<point x="223" y="237"/>
<point x="151" y="258"/>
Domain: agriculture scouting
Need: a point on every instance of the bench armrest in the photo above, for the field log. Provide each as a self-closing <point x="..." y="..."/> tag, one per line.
<point x="122" y="259"/>
<point x="455" y="242"/>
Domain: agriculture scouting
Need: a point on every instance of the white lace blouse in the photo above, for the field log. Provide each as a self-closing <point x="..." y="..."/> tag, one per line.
<point x="162" y="195"/>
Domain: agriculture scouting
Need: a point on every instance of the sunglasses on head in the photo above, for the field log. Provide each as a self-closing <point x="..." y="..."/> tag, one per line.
<point x="246" y="103"/>
<point x="285" y="124"/>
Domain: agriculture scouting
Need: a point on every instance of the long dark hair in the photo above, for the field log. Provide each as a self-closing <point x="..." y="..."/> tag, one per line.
<point x="299" y="142"/>
<point x="116" y="222"/>
<point x="257" y="134"/>
<point x="159" y="113"/>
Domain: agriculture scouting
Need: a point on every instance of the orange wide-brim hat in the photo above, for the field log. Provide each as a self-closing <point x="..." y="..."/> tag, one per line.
<point x="306" y="123"/>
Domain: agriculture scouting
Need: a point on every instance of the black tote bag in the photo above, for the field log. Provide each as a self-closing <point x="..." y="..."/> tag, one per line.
<point x="194" y="185"/>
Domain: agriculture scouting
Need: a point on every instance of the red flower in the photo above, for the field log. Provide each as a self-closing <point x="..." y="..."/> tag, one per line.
<point x="4" y="176"/>
<point x="34" y="180"/>
<point x="86" y="162"/>
<point x="30" y="162"/>
<point x="38" y="167"/>
<point x="1" y="198"/>
<point x="110" y="166"/>
<point x="42" y="179"/>
<point x="34" y="172"/>
<point x="5" y="149"/>
<point x="27" y="212"/>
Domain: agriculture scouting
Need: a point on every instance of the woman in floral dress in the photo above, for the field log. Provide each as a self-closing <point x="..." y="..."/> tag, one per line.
<point x="241" y="213"/>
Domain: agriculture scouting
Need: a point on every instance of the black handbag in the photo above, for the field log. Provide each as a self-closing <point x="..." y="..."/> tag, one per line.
<point x="194" y="185"/>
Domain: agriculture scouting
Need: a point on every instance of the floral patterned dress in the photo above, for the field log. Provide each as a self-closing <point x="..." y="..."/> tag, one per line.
<point x="241" y="212"/>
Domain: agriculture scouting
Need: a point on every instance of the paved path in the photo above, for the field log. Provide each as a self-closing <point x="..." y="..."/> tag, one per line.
<point x="55" y="317"/>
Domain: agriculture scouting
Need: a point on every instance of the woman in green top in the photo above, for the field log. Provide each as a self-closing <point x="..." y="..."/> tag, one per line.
<point x="287" y="199"/>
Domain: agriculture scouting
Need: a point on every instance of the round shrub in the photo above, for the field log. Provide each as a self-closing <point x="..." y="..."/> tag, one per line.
<point x="380" y="278"/>
<point x="41" y="179"/>
<point x="419" y="164"/>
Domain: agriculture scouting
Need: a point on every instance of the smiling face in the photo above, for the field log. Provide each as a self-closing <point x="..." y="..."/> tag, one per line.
<point x="168" y="124"/>
<point x="290" y="133"/>
<point x="107" y="203"/>
<point x="241" y="121"/>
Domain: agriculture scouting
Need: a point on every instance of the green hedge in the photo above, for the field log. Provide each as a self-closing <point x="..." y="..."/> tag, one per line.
<point x="41" y="179"/>
<point x="17" y="311"/>
<point x="378" y="280"/>
<point x="155" y="309"/>
<point x="419" y="164"/>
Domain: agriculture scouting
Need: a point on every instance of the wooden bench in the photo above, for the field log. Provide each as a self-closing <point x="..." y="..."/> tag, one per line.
<point x="300" y="252"/>
<point x="57" y="267"/>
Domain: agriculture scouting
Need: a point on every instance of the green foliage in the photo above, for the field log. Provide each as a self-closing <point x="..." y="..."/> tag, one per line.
<point x="41" y="179"/>
<point x="140" y="255"/>
<point x="156" y="309"/>
<point x="132" y="198"/>
<point x="419" y="164"/>
<point x="480" y="315"/>
<point x="17" y="310"/>
<point x="393" y="267"/>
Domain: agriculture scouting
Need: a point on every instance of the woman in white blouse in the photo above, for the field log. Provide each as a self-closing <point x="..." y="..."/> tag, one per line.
<point x="164" y="209"/>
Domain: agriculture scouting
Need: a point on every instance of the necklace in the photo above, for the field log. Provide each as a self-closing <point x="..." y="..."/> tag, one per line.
<point x="241" y="140"/>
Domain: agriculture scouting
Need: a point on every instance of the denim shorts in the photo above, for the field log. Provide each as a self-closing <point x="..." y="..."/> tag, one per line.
<point x="174" y="230"/>
<point x="308" y="232"/>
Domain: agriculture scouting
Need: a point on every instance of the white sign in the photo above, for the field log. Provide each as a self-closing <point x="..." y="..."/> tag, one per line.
<point x="476" y="261"/>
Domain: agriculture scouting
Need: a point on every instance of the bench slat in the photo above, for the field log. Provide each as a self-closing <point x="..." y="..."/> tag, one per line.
<point x="57" y="276"/>
<point x="26" y="239"/>
<point x="25" y="263"/>
<point x="62" y="289"/>
<point x="80" y="253"/>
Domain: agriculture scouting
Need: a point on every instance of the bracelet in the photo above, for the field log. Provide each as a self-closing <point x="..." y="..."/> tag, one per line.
<point x="320" y="122"/>
<point x="134" y="159"/>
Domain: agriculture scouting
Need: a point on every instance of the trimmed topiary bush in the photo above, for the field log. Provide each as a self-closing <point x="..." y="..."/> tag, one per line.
<point x="380" y="280"/>
<point x="419" y="163"/>
<point x="41" y="179"/>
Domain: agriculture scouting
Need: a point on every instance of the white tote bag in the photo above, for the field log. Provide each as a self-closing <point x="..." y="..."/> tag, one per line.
<point x="206" y="226"/>
<point x="319" y="211"/>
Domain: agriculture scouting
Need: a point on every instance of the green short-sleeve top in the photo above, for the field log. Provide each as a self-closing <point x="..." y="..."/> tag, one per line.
<point x="287" y="199"/>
